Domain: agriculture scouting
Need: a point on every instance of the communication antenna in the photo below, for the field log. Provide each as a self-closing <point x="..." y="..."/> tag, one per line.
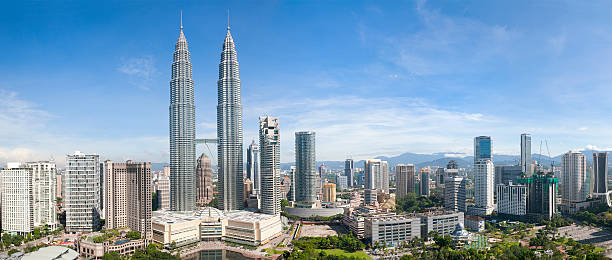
<point x="552" y="162"/>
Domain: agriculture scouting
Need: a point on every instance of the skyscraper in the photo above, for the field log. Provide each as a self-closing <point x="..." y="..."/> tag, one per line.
<point x="329" y="192"/>
<point x="163" y="193"/>
<point x="139" y="198"/>
<point x="292" y="191"/>
<point x="573" y="172"/>
<point x="182" y="129"/>
<point x="17" y="199"/>
<point x="484" y="187"/>
<point x="269" y="143"/>
<point x="115" y="180"/>
<point x="600" y="174"/>
<point x="229" y="129"/>
<point x="82" y="178"/>
<point x="306" y="174"/>
<point x="425" y="182"/>
<point x="404" y="174"/>
<point x="526" y="153"/>
<point x="253" y="166"/>
<point x="455" y="193"/>
<point x="377" y="175"/>
<point x="349" y="172"/>
<point x="204" y="182"/>
<point x="482" y="148"/>
<point x="44" y="193"/>
<point x="541" y="194"/>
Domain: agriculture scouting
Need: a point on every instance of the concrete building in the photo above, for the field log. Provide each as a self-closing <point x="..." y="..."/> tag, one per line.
<point x="116" y="203"/>
<point x="455" y="189"/>
<point x="269" y="143"/>
<point x="526" y="154"/>
<point x="349" y="172"/>
<point x="369" y="196"/>
<point x="249" y="228"/>
<point x="482" y="148"/>
<point x="512" y="199"/>
<point x="182" y="129"/>
<point x="404" y="174"/>
<point x="425" y="182"/>
<point x="443" y="222"/>
<point x="484" y="187"/>
<point x="139" y="198"/>
<point x="342" y="182"/>
<point x="504" y="174"/>
<point x="204" y="186"/>
<point x="17" y="199"/>
<point x="306" y="175"/>
<point x="89" y="249"/>
<point x="392" y="229"/>
<point x="44" y="193"/>
<point x="292" y="191"/>
<point x="163" y="193"/>
<point x="600" y="176"/>
<point x="541" y="195"/>
<point x="229" y="129"/>
<point x="59" y="184"/>
<point x="82" y="201"/>
<point x="377" y="175"/>
<point x="573" y="172"/>
<point x="253" y="166"/>
<point x="474" y="223"/>
<point x="329" y="192"/>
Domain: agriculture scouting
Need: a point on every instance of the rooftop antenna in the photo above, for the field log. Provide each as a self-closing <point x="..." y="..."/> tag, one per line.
<point x="228" y="24"/>
<point x="181" y="19"/>
<point x="552" y="162"/>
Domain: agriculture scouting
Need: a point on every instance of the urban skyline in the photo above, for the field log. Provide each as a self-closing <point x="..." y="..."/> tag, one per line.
<point x="131" y="66"/>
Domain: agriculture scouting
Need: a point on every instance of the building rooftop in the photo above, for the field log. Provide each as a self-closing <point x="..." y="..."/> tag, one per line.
<point x="175" y="217"/>
<point x="52" y="253"/>
<point x="247" y="216"/>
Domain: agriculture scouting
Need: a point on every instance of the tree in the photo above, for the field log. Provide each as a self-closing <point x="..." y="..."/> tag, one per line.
<point x="443" y="241"/>
<point x="284" y="204"/>
<point x="111" y="256"/>
<point x="133" y="235"/>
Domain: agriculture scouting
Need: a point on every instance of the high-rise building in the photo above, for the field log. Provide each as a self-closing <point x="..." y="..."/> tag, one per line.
<point x="139" y="198"/>
<point x="483" y="187"/>
<point x="229" y="129"/>
<point x="425" y="182"/>
<point x="404" y="174"/>
<point x="292" y="191"/>
<point x="44" y="193"/>
<point x="82" y="202"/>
<point x="600" y="176"/>
<point x="269" y="143"/>
<point x="329" y="192"/>
<point x="17" y="199"/>
<point x="573" y="172"/>
<point x="59" y="191"/>
<point x="349" y="172"/>
<point x="182" y="130"/>
<point x="504" y="174"/>
<point x="541" y="194"/>
<point x="306" y="174"/>
<point x="455" y="188"/>
<point x="512" y="199"/>
<point x="253" y="166"/>
<point x="116" y="202"/>
<point x="370" y="196"/>
<point x="163" y="193"/>
<point x="377" y="175"/>
<point x="342" y="182"/>
<point x="204" y="187"/>
<point x="482" y="148"/>
<point x="526" y="153"/>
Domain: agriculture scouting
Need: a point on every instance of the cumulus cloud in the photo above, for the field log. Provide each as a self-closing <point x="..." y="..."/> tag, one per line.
<point x="140" y="70"/>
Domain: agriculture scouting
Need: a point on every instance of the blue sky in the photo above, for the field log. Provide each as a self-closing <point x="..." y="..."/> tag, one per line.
<point x="370" y="77"/>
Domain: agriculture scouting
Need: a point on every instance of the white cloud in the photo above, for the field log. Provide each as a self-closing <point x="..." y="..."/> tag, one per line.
<point x="140" y="70"/>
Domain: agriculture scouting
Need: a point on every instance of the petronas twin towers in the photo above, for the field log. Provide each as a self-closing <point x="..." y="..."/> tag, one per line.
<point x="182" y="129"/>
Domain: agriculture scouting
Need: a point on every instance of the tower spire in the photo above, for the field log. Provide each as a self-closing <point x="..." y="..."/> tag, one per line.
<point x="181" y="20"/>
<point x="228" y="27"/>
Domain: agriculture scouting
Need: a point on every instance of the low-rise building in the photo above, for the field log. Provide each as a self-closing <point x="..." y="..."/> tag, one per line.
<point x="443" y="222"/>
<point x="250" y="228"/>
<point x="89" y="248"/>
<point x="474" y="223"/>
<point x="392" y="229"/>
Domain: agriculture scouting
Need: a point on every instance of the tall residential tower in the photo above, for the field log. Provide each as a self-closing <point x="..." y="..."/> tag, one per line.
<point x="269" y="142"/>
<point x="526" y="154"/>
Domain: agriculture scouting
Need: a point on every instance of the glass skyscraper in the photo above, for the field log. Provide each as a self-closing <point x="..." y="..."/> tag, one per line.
<point x="482" y="148"/>
<point x="526" y="153"/>
<point x="306" y="174"/>
<point x="182" y="130"/>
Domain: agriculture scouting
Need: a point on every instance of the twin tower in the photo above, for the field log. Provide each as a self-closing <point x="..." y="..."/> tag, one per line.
<point x="182" y="129"/>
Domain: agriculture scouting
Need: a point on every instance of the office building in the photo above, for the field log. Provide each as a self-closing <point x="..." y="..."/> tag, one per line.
<point x="342" y="182"/>
<point x="253" y="166"/>
<point x="474" y="223"/>
<point x="82" y="202"/>
<point x="163" y="193"/>
<point x="442" y="222"/>
<point x="370" y="196"/>
<point x="600" y="176"/>
<point x="349" y="172"/>
<point x="455" y="189"/>
<point x="182" y="129"/>
<point x="329" y="192"/>
<point x="115" y="180"/>
<point x="504" y="174"/>
<point x="59" y="184"/>
<point x="139" y="198"/>
<point x="229" y="128"/>
<point x="391" y="229"/>
<point x="377" y="175"/>
<point x="526" y="154"/>
<point x="541" y="195"/>
<point x="17" y="199"/>
<point x="573" y="172"/>
<point x="306" y="175"/>
<point x="291" y="193"/>
<point x="404" y="174"/>
<point x="512" y="199"/>
<point x="425" y="182"/>
<point x="204" y="185"/>
<point x="269" y="143"/>
<point x="483" y="187"/>
<point x="44" y="193"/>
<point x="482" y="148"/>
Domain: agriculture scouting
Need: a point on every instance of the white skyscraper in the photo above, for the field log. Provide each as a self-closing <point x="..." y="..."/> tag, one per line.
<point x="512" y="199"/>
<point x="17" y="199"/>
<point x="526" y="153"/>
<point x="254" y="167"/>
<point x="269" y="143"/>
<point x="484" y="181"/>
<point x="82" y="200"/>
<point x="44" y="193"/>
<point x="573" y="172"/>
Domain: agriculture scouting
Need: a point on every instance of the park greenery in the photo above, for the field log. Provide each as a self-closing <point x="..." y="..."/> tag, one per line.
<point x="315" y="218"/>
<point x="332" y="247"/>
<point x="152" y="252"/>
<point x="412" y="203"/>
<point x="133" y="235"/>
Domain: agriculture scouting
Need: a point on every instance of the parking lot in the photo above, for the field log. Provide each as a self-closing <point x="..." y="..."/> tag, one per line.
<point x="591" y="235"/>
<point x="321" y="230"/>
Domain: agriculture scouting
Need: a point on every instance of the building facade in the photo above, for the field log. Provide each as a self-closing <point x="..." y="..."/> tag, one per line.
<point x="82" y="202"/>
<point x="253" y="166"/>
<point x="17" y="199"/>
<point x="204" y="186"/>
<point x="44" y="193"/>
<point x="504" y="174"/>
<point x="541" y="195"/>
<point x="269" y="143"/>
<point x="425" y="182"/>
<point x="116" y="202"/>
<point x="600" y="176"/>
<point x="455" y="189"/>
<point x="484" y="187"/>
<point x="329" y="192"/>
<point x="139" y="198"/>
<point x="512" y="199"/>
<point x="163" y="193"/>
<point x="349" y="172"/>
<point x="306" y="174"/>
<point x="377" y="175"/>
<point x="526" y="154"/>
<point x="182" y="129"/>
<point x="392" y="229"/>
<point x="482" y="148"/>
<point x="443" y="223"/>
<point x="404" y="175"/>
<point x="573" y="172"/>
